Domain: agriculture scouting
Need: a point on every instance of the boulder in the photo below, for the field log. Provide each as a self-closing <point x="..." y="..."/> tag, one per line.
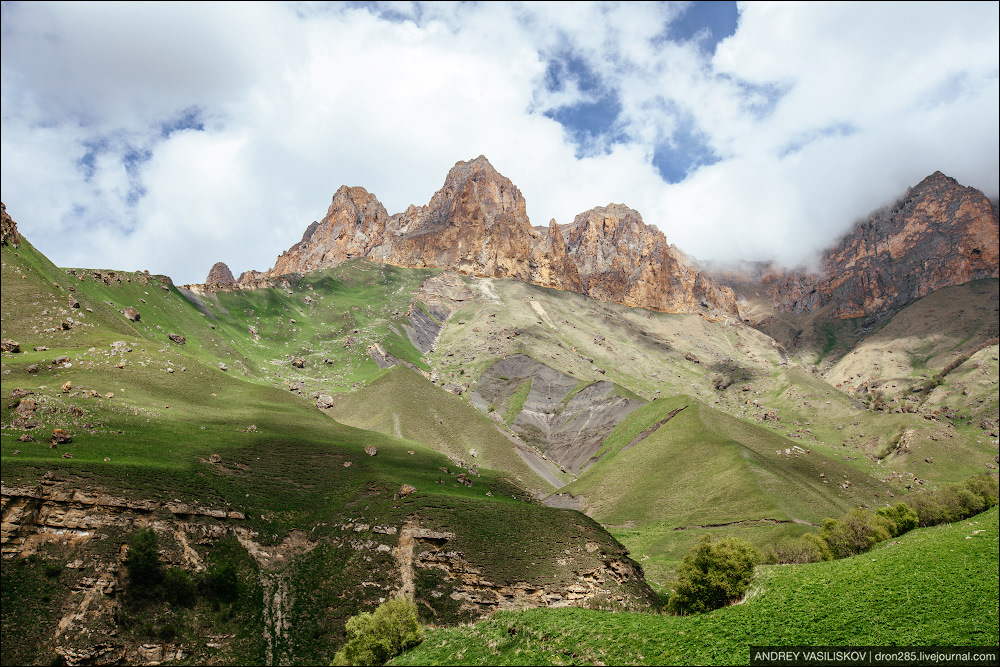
<point x="370" y="450"/>
<point x="72" y="302"/>
<point x="299" y="362"/>
<point x="61" y="436"/>
<point x="324" y="401"/>
<point x="177" y="338"/>
<point x="132" y="314"/>
<point x="8" y="345"/>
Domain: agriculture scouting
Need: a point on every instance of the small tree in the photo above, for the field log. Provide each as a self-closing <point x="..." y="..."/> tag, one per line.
<point x="375" y="638"/>
<point x="713" y="575"/>
<point x="222" y="581"/>
<point x="143" y="562"/>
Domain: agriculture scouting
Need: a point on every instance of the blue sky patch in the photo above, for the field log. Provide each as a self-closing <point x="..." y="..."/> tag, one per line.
<point x="706" y="22"/>
<point x="189" y="119"/>
<point x="806" y="138"/>
<point x="686" y="151"/>
<point x="590" y="122"/>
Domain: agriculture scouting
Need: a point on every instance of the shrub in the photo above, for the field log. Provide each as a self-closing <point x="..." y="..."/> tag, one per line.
<point x="986" y="487"/>
<point x="178" y="587"/>
<point x="928" y="509"/>
<point x="144" y="571"/>
<point x="373" y="638"/>
<point x="53" y="570"/>
<point x="859" y="530"/>
<point x="901" y="518"/>
<point x="713" y="575"/>
<point x="957" y="502"/>
<point x="222" y="582"/>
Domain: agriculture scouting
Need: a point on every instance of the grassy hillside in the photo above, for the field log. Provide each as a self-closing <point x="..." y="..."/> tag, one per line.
<point x="932" y="587"/>
<point x="706" y="471"/>
<point x="157" y="423"/>
<point x="404" y="404"/>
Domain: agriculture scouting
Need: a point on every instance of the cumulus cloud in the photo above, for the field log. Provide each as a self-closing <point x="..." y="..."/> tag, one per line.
<point x="171" y="136"/>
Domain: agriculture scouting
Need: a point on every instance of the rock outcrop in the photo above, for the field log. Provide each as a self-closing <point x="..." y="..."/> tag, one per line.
<point x="354" y="224"/>
<point x="477" y="224"/>
<point x="623" y="260"/>
<point x="939" y="234"/>
<point x="8" y="229"/>
<point x="220" y="275"/>
<point x="444" y="572"/>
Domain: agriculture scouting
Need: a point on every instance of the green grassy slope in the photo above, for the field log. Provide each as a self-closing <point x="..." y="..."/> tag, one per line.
<point x="403" y="403"/>
<point x="931" y="587"/>
<point x="282" y="461"/>
<point x="707" y="470"/>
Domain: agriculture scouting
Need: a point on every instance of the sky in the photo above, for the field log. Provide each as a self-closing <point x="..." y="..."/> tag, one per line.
<point x="169" y="136"/>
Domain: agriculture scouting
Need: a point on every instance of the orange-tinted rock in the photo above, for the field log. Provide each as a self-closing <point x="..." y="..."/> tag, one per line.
<point x="220" y="274"/>
<point x="8" y="229"/>
<point x="621" y="259"/>
<point x="477" y="224"/>
<point x="354" y="224"/>
<point x="939" y="234"/>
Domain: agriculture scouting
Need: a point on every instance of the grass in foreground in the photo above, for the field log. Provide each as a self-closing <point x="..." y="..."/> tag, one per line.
<point x="933" y="586"/>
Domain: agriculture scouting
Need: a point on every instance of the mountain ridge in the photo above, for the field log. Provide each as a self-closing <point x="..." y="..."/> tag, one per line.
<point x="937" y="235"/>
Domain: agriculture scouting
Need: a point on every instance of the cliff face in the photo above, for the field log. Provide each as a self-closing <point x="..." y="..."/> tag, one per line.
<point x="58" y="522"/>
<point x="621" y="259"/>
<point x="477" y="224"/>
<point x="8" y="229"/>
<point x="939" y="234"/>
<point x="354" y="224"/>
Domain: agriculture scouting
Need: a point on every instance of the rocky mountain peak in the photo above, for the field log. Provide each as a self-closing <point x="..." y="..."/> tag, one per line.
<point x="220" y="274"/>
<point x="940" y="233"/>
<point x="477" y="224"/>
<point x="8" y="229"/>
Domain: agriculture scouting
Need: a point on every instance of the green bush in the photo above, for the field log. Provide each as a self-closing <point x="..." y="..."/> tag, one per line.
<point x="986" y="487"/>
<point x="178" y="587"/>
<point x="143" y="562"/>
<point x="928" y="509"/>
<point x="713" y="575"/>
<point x="222" y="582"/>
<point x="374" y="638"/>
<point x="858" y="531"/>
<point x="901" y="517"/>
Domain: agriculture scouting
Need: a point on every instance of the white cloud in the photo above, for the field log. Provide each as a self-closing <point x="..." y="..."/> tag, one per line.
<point x="295" y="100"/>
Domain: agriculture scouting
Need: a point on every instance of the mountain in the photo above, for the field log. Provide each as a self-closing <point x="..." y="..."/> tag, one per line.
<point x="939" y="234"/>
<point x="477" y="224"/>
<point x="347" y="427"/>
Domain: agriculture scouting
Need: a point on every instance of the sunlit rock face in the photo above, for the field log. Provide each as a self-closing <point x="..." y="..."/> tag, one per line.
<point x="623" y="260"/>
<point x="939" y="234"/>
<point x="477" y="224"/>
